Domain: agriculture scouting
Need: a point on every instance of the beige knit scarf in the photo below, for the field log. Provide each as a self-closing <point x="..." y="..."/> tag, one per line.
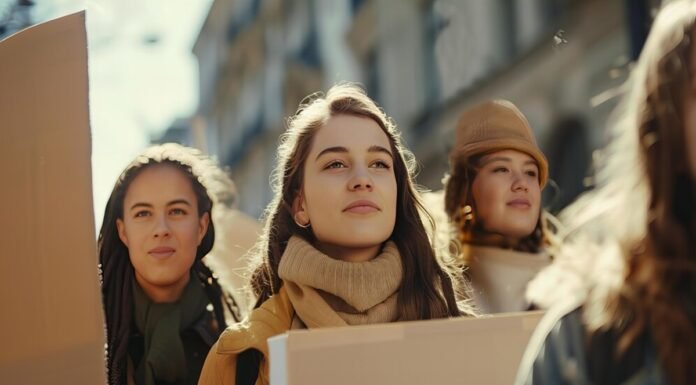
<point x="327" y="292"/>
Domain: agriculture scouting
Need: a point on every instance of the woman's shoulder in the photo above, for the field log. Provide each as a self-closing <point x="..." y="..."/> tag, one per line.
<point x="556" y="352"/>
<point x="273" y="317"/>
<point x="563" y="350"/>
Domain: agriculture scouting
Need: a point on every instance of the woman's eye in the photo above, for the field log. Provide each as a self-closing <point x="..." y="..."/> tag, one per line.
<point x="532" y="173"/>
<point x="177" y="212"/>
<point x="335" y="164"/>
<point x="500" y="169"/>
<point x="141" y="214"/>
<point x="381" y="164"/>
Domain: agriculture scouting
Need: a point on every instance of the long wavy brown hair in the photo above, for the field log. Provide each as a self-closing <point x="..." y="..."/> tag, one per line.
<point x="117" y="273"/>
<point x="458" y="186"/>
<point x="426" y="290"/>
<point x="645" y="206"/>
<point x="660" y="286"/>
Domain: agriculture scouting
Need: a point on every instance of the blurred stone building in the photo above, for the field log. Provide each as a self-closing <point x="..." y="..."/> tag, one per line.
<point x="425" y="62"/>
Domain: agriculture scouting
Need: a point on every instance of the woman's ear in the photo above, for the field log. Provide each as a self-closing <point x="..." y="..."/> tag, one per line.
<point x="121" y="227"/>
<point x="299" y="210"/>
<point x="203" y="223"/>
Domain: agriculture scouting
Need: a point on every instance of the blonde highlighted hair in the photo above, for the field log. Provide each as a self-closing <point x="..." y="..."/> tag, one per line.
<point x="642" y="214"/>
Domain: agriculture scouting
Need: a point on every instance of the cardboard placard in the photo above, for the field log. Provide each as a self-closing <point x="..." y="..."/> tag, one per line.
<point x="480" y="351"/>
<point x="52" y="324"/>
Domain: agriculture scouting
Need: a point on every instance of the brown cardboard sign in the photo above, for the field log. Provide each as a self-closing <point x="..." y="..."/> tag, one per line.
<point x="480" y="351"/>
<point x="52" y="325"/>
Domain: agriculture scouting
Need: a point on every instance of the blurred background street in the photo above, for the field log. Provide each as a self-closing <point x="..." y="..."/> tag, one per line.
<point x="222" y="75"/>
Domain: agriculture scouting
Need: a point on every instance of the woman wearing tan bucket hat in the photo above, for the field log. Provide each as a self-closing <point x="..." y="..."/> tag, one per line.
<point x="493" y="202"/>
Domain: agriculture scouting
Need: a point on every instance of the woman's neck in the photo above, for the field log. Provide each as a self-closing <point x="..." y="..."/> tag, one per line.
<point x="349" y="254"/>
<point x="163" y="294"/>
<point x="485" y="238"/>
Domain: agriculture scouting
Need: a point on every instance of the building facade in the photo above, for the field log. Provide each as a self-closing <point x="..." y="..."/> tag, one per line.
<point x="425" y="62"/>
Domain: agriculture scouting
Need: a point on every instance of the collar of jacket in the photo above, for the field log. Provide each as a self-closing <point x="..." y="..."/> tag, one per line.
<point x="272" y="318"/>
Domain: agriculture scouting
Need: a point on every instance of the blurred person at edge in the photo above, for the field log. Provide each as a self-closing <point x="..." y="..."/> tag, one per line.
<point x="635" y="320"/>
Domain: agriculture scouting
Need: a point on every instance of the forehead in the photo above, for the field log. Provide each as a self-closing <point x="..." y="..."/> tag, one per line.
<point x="159" y="182"/>
<point x="513" y="155"/>
<point x="349" y="131"/>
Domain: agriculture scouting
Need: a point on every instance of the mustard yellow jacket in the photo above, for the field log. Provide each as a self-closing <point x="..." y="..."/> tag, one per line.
<point x="272" y="318"/>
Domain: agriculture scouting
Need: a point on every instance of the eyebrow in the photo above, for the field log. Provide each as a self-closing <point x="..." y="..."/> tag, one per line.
<point x="380" y="149"/>
<point x="170" y="203"/>
<point x="341" y="149"/>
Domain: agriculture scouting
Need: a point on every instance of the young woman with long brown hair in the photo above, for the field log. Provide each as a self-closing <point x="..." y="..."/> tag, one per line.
<point x="344" y="242"/>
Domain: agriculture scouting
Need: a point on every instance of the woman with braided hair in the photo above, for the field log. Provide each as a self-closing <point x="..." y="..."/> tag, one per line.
<point x="164" y="308"/>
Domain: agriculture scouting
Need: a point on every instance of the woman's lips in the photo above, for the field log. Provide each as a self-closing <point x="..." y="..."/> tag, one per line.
<point x="519" y="203"/>
<point x="361" y="207"/>
<point x="162" y="252"/>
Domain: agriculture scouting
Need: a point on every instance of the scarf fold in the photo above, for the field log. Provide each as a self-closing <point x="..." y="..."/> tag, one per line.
<point x="328" y="292"/>
<point x="161" y="325"/>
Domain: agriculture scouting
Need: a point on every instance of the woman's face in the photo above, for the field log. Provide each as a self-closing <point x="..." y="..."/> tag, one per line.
<point x="507" y="195"/>
<point x="349" y="190"/>
<point x="161" y="229"/>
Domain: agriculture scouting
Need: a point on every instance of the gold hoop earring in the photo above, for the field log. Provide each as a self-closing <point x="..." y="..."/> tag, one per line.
<point x="466" y="222"/>
<point x="294" y="217"/>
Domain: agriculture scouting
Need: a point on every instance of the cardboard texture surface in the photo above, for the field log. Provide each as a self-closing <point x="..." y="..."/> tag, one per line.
<point x="483" y="351"/>
<point x="52" y="327"/>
